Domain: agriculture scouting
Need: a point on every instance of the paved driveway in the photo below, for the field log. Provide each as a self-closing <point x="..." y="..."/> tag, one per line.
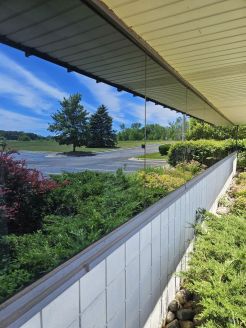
<point x="54" y="163"/>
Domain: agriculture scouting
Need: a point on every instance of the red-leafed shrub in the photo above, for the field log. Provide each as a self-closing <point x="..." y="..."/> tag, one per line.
<point x="22" y="194"/>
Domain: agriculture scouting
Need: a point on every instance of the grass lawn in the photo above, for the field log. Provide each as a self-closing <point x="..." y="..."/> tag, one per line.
<point x="154" y="156"/>
<point x="52" y="145"/>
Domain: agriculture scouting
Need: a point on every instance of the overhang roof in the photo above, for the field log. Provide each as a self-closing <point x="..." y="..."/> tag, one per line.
<point x="203" y="41"/>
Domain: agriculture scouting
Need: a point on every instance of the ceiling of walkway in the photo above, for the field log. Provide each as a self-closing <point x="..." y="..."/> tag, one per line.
<point x="188" y="55"/>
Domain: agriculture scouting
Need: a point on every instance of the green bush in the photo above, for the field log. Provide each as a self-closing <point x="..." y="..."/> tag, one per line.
<point x="83" y="208"/>
<point x="163" y="149"/>
<point x="241" y="161"/>
<point x="206" y="152"/>
<point x="217" y="271"/>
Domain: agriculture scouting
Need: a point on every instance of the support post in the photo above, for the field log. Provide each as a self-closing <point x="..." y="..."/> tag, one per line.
<point x="183" y="127"/>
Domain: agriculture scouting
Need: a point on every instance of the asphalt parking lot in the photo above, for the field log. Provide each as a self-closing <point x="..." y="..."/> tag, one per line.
<point x="110" y="161"/>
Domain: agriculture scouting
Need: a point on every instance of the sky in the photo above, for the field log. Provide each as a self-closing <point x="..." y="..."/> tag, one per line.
<point x="31" y="88"/>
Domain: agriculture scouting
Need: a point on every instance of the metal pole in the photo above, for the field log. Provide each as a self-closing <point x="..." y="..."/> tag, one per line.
<point x="183" y="127"/>
<point x="145" y="109"/>
<point x="237" y="128"/>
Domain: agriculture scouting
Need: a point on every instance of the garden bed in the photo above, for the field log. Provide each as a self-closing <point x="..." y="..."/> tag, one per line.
<point x="216" y="277"/>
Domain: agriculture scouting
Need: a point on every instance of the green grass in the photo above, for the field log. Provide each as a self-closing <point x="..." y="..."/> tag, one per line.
<point x="53" y="146"/>
<point x="153" y="156"/>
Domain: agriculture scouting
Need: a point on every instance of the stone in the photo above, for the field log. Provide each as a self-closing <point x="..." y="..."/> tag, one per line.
<point x="181" y="296"/>
<point x="188" y="305"/>
<point x="170" y="317"/>
<point x="173" y="324"/>
<point x="185" y="314"/>
<point x="186" y="324"/>
<point x="222" y="210"/>
<point x="173" y="306"/>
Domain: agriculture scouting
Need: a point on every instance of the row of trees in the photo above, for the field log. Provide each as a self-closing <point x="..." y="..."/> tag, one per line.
<point x="153" y="131"/>
<point x="19" y="135"/>
<point x="200" y="130"/>
<point x="73" y="125"/>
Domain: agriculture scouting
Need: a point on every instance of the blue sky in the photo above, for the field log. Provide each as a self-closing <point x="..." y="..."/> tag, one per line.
<point x="31" y="88"/>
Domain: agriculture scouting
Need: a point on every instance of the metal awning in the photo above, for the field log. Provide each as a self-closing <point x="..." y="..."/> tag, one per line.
<point x="203" y="41"/>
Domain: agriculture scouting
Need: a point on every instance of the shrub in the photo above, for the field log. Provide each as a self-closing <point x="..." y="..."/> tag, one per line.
<point x="206" y="152"/>
<point x="85" y="207"/>
<point x="217" y="271"/>
<point x="241" y="161"/>
<point x="193" y="166"/>
<point x="22" y="193"/>
<point x="163" y="149"/>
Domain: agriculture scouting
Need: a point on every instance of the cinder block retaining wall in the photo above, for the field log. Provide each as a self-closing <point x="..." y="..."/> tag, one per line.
<point x="126" y="279"/>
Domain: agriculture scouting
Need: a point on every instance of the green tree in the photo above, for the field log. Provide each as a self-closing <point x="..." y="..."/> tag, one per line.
<point x="71" y="122"/>
<point x="24" y="137"/>
<point x="3" y="143"/>
<point x="100" y="129"/>
<point x="201" y="130"/>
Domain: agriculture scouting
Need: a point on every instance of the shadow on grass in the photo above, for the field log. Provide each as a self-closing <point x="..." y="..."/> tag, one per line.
<point x="77" y="153"/>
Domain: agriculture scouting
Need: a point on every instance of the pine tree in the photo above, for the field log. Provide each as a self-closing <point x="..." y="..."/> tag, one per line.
<point x="71" y="123"/>
<point x="100" y="127"/>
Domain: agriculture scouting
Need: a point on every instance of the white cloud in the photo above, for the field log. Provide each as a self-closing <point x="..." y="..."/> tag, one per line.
<point x="106" y="95"/>
<point x="22" y="94"/>
<point x="121" y="109"/>
<point x="22" y="87"/>
<point x="30" y="78"/>
<point x="14" y="121"/>
<point x="154" y="114"/>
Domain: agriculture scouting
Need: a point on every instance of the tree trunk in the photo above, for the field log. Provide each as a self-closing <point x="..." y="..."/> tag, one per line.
<point x="74" y="148"/>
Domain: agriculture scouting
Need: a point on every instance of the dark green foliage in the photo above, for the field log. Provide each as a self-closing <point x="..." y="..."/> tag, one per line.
<point x="101" y="133"/>
<point x="217" y="271"/>
<point x="206" y="152"/>
<point x="70" y="123"/>
<point x="163" y="149"/>
<point x="15" y="135"/>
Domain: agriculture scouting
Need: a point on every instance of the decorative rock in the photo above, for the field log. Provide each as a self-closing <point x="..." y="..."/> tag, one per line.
<point x="173" y="306"/>
<point x="222" y="210"/>
<point x="188" y="305"/>
<point x="170" y="317"/>
<point x="173" y="324"/>
<point x="185" y="314"/>
<point x="186" y="324"/>
<point x="181" y="296"/>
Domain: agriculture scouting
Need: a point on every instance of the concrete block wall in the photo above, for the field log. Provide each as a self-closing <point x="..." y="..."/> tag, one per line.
<point x="131" y="285"/>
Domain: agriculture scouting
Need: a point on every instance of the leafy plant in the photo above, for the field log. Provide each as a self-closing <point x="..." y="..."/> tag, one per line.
<point x="206" y="152"/>
<point x="217" y="269"/>
<point x="82" y="208"/>
<point x="163" y="149"/>
<point x="217" y="272"/>
<point x="23" y="193"/>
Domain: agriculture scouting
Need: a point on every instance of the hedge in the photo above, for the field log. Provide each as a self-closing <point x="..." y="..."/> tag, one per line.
<point x="205" y="152"/>
<point x="163" y="149"/>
